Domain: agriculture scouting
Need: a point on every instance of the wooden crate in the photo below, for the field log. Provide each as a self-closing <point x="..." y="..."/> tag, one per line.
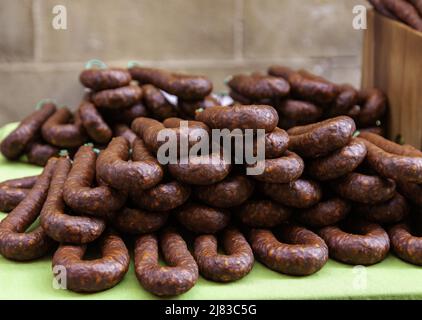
<point x="392" y="61"/>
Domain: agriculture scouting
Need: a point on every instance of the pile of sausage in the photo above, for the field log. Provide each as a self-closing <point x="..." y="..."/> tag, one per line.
<point x="327" y="189"/>
<point x="406" y="11"/>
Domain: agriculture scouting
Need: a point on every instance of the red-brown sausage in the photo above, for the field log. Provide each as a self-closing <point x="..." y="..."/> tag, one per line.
<point x="13" y="191"/>
<point x="373" y="106"/>
<point x="301" y="253"/>
<point x="39" y="152"/>
<point x="390" y="146"/>
<point x="15" y="242"/>
<point x="115" y="169"/>
<point x="80" y="192"/>
<point x="157" y="103"/>
<point x="15" y="143"/>
<point x="406" y="245"/>
<point x="230" y="192"/>
<point x="296" y="112"/>
<point x="367" y="244"/>
<point x="56" y="221"/>
<point x="257" y="87"/>
<point x="59" y="130"/>
<point x="339" y="163"/>
<point x="234" y="265"/>
<point x="96" y="128"/>
<point x="93" y="275"/>
<point x="102" y="79"/>
<point x="119" y="98"/>
<point x="137" y="221"/>
<point x="189" y="107"/>
<point x="406" y="12"/>
<point x="325" y="213"/>
<point x="262" y="213"/>
<point x="124" y="131"/>
<point x="322" y="138"/>
<point x="203" y="219"/>
<point x="276" y="143"/>
<point x="178" y="277"/>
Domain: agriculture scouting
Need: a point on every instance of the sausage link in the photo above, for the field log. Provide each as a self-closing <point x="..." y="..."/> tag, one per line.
<point x="391" y="211"/>
<point x="298" y="194"/>
<point x="137" y="221"/>
<point x="301" y="253"/>
<point x="162" y="197"/>
<point x="157" y="103"/>
<point x="187" y="87"/>
<point x="390" y="146"/>
<point x="189" y="107"/>
<point x="59" y="130"/>
<point x="15" y="242"/>
<point x="15" y="143"/>
<point x="230" y="192"/>
<point x="276" y="143"/>
<point x="238" y="98"/>
<point x="281" y="170"/>
<point x="124" y="131"/>
<point x="406" y="12"/>
<point x="280" y="71"/>
<point x="97" y="129"/>
<point x="262" y="213"/>
<point x="411" y="191"/>
<point x="257" y="87"/>
<point x="178" y="277"/>
<point x="102" y="79"/>
<point x="406" y="245"/>
<point x="119" y="98"/>
<point x="296" y="112"/>
<point x="322" y="138"/>
<point x="115" y="169"/>
<point x="55" y="220"/>
<point x="38" y="153"/>
<point x="325" y="213"/>
<point x="125" y="115"/>
<point x="367" y="244"/>
<point x="393" y="166"/>
<point x="364" y="188"/>
<point x="339" y="163"/>
<point x="203" y="219"/>
<point x="347" y="98"/>
<point x="93" y="275"/>
<point x="380" y="7"/>
<point x="174" y="122"/>
<point x="13" y="191"/>
<point x="373" y="107"/>
<point x="240" y="117"/>
<point x="234" y="265"/>
<point x="79" y="193"/>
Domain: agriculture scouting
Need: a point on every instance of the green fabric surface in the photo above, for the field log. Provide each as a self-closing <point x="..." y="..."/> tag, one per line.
<point x="392" y="278"/>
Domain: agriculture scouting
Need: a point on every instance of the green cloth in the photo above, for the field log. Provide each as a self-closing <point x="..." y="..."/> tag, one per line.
<point x="392" y="278"/>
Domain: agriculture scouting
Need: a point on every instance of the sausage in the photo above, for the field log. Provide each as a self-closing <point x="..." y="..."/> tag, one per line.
<point x="237" y="97"/>
<point x="364" y="188"/>
<point x="339" y="163"/>
<point x="262" y="213"/>
<point x="54" y="217"/>
<point x="79" y="191"/>
<point x="301" y="253"/>
<point x="15" y="242"/>
<point x="391" y="211"/>
<point x="186" y="87"/>
<point x="325" y="213"/>
<point x="123" y="130"/>
<point x="393" y="166"/>
<point x="115" y="169"/>
<point x="301" y="193"/>
<point x="148" y="129"/>
<point x="174" y="122"/>
<point x="321" y="138"/>
<point x="373" y="106"/>
<point x="126" y="115"/>
<point x="296" y="112"/>
<point x="234" y="265"/>
<point x="137" y="221"/>
<point x="276" y="143"/>
<point x="13" y="191"/>
<point x="119" y="98"/>
<point x="102" y="79"/>
<point x="59" y="130"/>
<point x="203" y="219"/>
<point x="157" y="103"/>
<point x="346" y="99"/>
<point x="418" y="5"/>
<point x="15" y="143"/>
<point x="406" y="245"/>
<point x="97" y="129"/>
<point x="380" y="131"/>
<point x="178" y="277"/>
<point x="411" y="191"/>
<point x="163" y="197"/>
<point x="380" y="7"/>
<point x="390" y="146"/>
<point x="210" y="169"/>
<point x="257" y="87"/>
<point x="39" y="152"/>
<point x="280" y="71"/>
<point x="189" y="107"/>
<point x="240" y="117"/>
<point x="93" y="275"/>
<point x="281" y="170"/>
<point x="406" y="12"/>
<point x="367" y="243"/>
<point x="230" y="192"/>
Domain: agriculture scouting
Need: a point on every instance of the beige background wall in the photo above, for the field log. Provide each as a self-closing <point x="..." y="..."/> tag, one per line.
<point x="212" y="37"/>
